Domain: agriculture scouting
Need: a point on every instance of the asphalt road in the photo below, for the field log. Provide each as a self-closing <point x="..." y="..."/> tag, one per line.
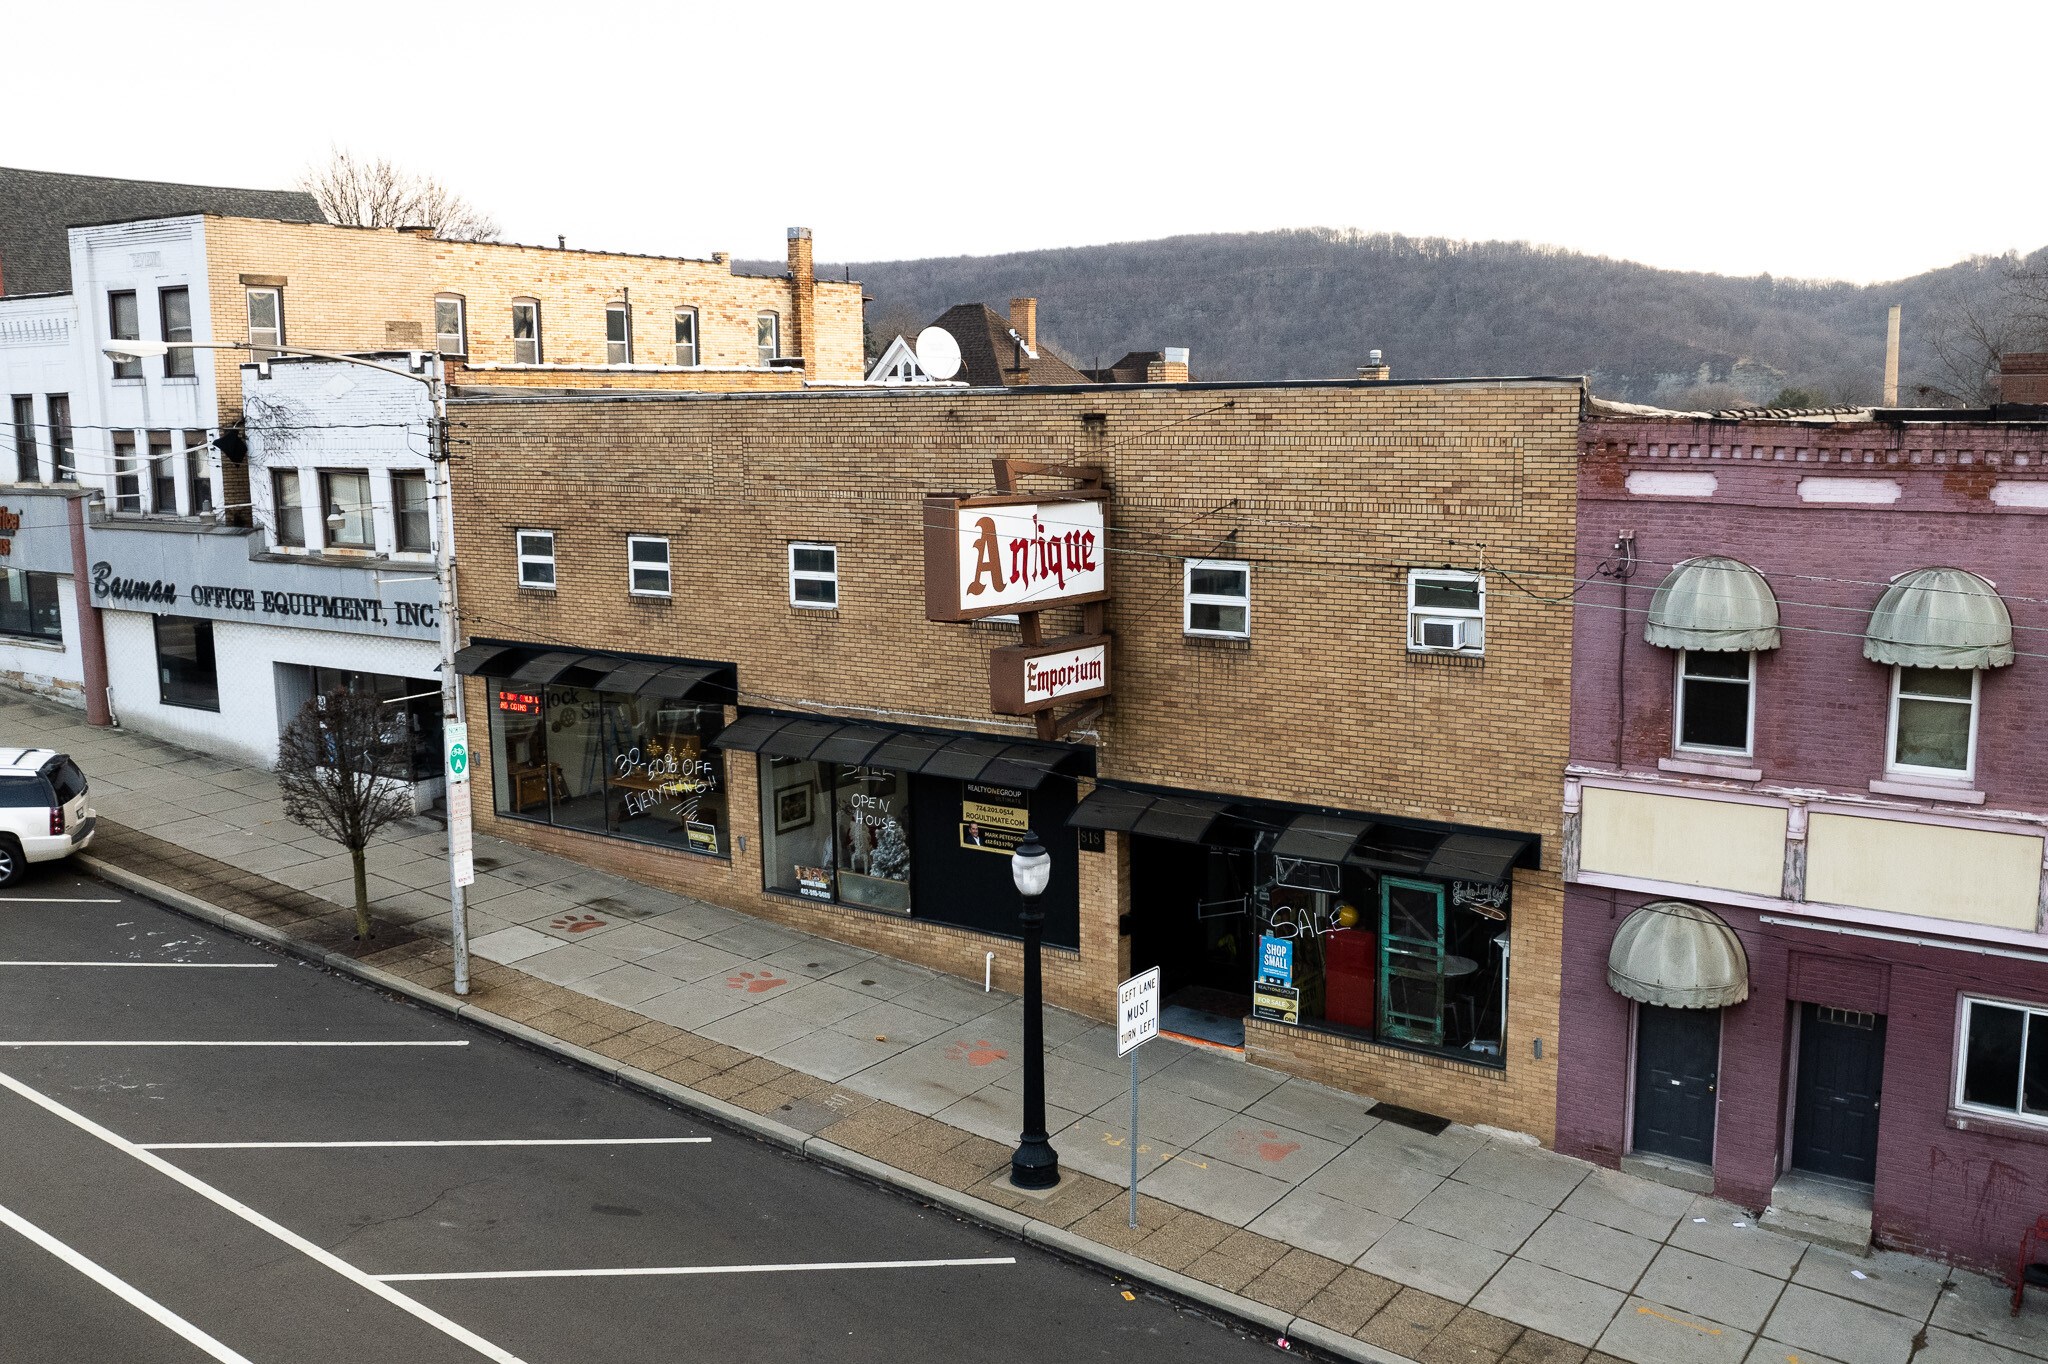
<point x="111" y="1250"/>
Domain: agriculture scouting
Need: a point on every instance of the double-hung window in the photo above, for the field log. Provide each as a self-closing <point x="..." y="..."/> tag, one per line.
<point x="174" y="310"/>
<point x="451" y="335"/>
<point x="1216" y="598"/>
<point x="127" y="478"/>
<point x="411" y="514"/>
<point x="647" y="563"/>
<point x="1446" y="612"/>
<point x="814" y="576"/>
<point x="537" y="559"/>
<point x="27" y="467"/>
<point x="1716" y="700"/>
<point x="198" y="474"/>
<point x="686" y="336"/>
<point x="618" y="335"/>
<point x="345" y="508"/>
<point x="62" y="453"/>
<point x="2002" y="1066"/>
<point x="266" y="320"/>
<point x="767" y="337"/>
<point x="525" y="331"/>
<point x="1934" y="722"/>
<point x="290" y="509"/>
<point x="124" y="323"/>
<point x="163" y="475"/>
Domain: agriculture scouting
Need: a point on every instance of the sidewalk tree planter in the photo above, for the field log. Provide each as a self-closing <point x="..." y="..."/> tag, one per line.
<point x="342" y="767"/>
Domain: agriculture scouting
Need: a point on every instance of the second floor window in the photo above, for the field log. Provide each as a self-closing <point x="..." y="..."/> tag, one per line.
<point x="618" y="335"/>
<point x="266" y="319"/>
<point x="525" y="331"/>
<point x="411" y="517"/>
<point x="1934" y="722"/>
<point x="1715" y="695"/>
<point x="686" y="336"/>
<point x="127" y="478"/>
<point x="1446" y="612"/>
<point x="767" y="337"/>
<point x="537" y="559"/>
<point x="124" y="323"/>
<point x="345" y="504"/>
<point x="1216" y="599"/>
<point x="291" y="513"/>
<point x="450" y="335"/>
<point x="647" y="561"/>
<point x="27" y="467"/>
<point x="814" y="576"/>
<point x="62" y="453"/>
<point x="198" y="473"/>
<point x="163" y="475"/>
<point x="174" y="307"/>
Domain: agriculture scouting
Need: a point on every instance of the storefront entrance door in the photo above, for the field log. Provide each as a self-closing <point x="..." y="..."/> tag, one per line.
<point x="1191" y="917"/>
<point x="1678" y="1063"/>
<point x="1841" y="1075"/>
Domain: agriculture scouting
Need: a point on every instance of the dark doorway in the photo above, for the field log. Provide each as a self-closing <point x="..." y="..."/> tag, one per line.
<point x="1841" y="1075"/>
<point x="1191" y="917"/>
<point x="1678" y="1067"/>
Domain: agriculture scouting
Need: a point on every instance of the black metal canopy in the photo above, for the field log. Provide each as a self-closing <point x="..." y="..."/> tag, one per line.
<point x="537" y="665"/>
<point x="966" y="757"/>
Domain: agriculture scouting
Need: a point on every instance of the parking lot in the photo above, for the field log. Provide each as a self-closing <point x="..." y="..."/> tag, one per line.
<point x="214" y="1151"/>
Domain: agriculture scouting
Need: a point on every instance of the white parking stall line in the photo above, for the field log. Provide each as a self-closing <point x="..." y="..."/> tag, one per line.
<point x="508" y="1141"/>
<point x="420" y="1310"/>
<point x="188" y="965"/>
<point x="120" y="1288"/>
<point x="52" y="900"/>
<point x="690" y="1269"/>
<point x="117" y="1042"/>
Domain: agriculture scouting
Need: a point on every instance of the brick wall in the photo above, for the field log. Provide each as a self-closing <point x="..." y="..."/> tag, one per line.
<point x="1332" y="491"/>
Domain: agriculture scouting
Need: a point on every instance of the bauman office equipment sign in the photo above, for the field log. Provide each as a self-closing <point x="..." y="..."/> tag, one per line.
<point x="989" y="556"/>
<point x="1025" y="678"/>
<point x="321" y="606"/>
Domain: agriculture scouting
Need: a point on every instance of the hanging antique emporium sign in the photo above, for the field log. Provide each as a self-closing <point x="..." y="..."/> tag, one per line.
<point x="1026" y="678"/>
<point x="991" y="556"/>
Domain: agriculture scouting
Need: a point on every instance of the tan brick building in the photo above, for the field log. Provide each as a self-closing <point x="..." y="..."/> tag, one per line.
<point x="698" y="646"/>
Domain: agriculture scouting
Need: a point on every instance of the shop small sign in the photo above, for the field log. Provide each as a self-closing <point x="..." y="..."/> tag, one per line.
<point x="1026" y="678"/>
<point x="989" y="556"/>
<point x="1276" y="960"/>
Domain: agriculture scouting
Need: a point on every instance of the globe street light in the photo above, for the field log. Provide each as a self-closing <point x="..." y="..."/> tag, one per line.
<point x="1034" y="1165"/>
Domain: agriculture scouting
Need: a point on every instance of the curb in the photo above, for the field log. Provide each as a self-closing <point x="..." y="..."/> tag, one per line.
<point x="794" y="1140"/>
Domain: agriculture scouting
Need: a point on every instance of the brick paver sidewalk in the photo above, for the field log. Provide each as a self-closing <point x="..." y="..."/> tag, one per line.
<point x="1458" y="1245"/>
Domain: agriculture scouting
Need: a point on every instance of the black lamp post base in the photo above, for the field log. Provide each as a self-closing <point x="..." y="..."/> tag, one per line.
<point x="1035" y="1165"/>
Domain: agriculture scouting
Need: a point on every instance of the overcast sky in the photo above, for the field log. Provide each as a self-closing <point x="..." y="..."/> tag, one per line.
<point x="1854" y="141"/>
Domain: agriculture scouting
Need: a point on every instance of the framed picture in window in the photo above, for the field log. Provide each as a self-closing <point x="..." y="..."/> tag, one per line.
<point x="794" y="808"/>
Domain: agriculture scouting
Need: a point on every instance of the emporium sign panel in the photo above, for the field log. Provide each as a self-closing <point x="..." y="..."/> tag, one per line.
<point x="1025" y="678"/>
<point x="990" y="556"/>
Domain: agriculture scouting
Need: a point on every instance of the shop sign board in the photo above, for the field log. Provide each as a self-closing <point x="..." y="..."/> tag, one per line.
<point x="1276" y="1003"/>
<point x="1276" y="960"/>
<point x="1137" y="1011"/>
<point x="993" y="818"/>
<point x="1026" y="678"/>
<point x="10" y="522"/>
<point x="990" y="556"/>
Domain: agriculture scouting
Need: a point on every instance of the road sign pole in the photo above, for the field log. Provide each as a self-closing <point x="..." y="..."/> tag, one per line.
<point x="1134" y="1136"/>
<point x="1137" y="1022"/>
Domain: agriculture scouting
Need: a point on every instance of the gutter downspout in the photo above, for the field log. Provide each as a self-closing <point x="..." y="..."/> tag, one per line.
<point x="92" y="638"/>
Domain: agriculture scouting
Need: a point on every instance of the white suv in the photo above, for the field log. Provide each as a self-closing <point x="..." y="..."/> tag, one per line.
<point x="43" y="814"/>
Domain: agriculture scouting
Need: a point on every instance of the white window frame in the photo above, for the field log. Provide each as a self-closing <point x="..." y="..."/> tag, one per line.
<point x="1678" y="743"/>
<point x="635" y="566"/>
<point x="797" y="575"/>
<point x="1961" y="775"/>
<point x="1418" y="614"/>
<point x="1190" y="599"/>
<point x="2017" y="1115"/>
<point x="519" y="551"/>
<point x="624" y="310"/>
<point x="276" y="334"/>
<point x="696" y="337"/>
<point x="461" y="332"/>
<point x="539" y="338"/>
<point x="773" y="350"/>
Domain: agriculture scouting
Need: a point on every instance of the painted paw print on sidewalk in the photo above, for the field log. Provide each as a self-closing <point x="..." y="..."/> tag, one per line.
<point x="1266" y="1145"/>
<point x="754" y="983"/>
<point x="577" y="923"/>
<point x="980" y="1053"/>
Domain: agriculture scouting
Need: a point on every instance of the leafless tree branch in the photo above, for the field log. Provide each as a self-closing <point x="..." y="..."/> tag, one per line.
<point x="362" y="192"/>
<point x="343" y="772"/>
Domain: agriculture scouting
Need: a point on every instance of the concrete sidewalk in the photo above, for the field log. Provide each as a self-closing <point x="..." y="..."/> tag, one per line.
<point x="1453" y="1244"/>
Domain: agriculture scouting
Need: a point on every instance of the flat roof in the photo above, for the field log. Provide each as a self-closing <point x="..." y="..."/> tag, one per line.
<point x="483" y="395"/>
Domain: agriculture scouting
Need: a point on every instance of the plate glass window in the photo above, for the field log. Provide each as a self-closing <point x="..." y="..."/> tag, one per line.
<point x="686" y="336"/>
<point x="451" y="336"/>
<point x="345" y="503"/>
<point x="1934" y="721"/>
<point x="1715" y="694"/>
<point x="124" y="323"/>
<point x="198" y="474"/>
<point x="61" y="449"/>
<point x="28" y="605"/>
<point x="837" y="833"/>
<point x="618" y="335"/>
<point x="266" y="320"/>
<point x="410" y="517"/>
<point x="1446" y="612"/>
<point x="1216" y="599"/>
<point x="647" y="562"/>
<point x="27" y="466"/>
<point x="127" y="477"/>
<point x="814" y="576"/>
<point x="163" y="474"/>
<point x="525" y="331"/>
<point x="2004" y="1063"/>
<point x="174" y="307"/>
<point x="537" y="559"/>
<point x="184" y="663"/>
<point x="767" y="337"/>
<point x="291" y="513"/>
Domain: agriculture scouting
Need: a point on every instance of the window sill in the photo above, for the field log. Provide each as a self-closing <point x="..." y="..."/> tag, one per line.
<point x="119" y="382"/>
<point x="657" y="598"/>
<point x="1701" y="767"/>
<point x="1928" y="788"/>
<point x="823" y="613"/>
<point x="181" y="381"/>
<point x="1964" y="1121"/>
<point x="1239" y="644"/>
<point x="54" y="646"/>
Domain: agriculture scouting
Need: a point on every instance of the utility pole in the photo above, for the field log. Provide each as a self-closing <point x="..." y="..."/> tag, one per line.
<point x="454" y="729"/>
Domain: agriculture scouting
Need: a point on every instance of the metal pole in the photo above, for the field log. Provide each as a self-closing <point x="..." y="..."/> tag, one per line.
<point x="451" y="686"/>
<point x="1034" y="1164"/>
<point x="1134" y="1136"/>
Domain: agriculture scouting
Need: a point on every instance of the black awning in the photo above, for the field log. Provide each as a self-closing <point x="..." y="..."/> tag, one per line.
<point x="965" y="757"/>
<point x="1179" y="818"/>
<point x="557" y="663"/>
<point x="1319" y="838"/>
<point x="688" y="681"/>
<point x="490" y="660"/>
<point x="630" y="676"/>
<point x="1475" y="857"/>
<point x="536" y="665"/>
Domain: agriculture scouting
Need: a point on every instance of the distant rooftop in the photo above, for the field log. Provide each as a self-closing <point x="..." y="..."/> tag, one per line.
<point x="37" y="206"/>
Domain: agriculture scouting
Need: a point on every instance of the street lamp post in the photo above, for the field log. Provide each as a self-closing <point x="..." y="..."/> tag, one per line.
<point x="444" y="574"/>
<point x="1034" y="1165"/>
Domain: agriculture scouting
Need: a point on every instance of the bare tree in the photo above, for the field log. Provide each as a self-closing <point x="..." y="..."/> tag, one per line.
<point x="343" y="769"/>
<point x="360" y="192"/>
<point x="1992" y="306"/>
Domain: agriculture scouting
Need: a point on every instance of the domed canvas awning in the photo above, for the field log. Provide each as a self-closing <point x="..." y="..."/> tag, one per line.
<point x="1715" y="604"/>
<point x="1940" y="618"/>
<point x="1680" y="956"/>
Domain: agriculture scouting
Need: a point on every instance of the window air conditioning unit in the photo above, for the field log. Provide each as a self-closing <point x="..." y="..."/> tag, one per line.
<point x="1439" y="632"/>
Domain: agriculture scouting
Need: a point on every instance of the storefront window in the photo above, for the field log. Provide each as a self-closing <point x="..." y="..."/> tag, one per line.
<point x="627" y="766"/>
<point x="28" y="605"/>
<point x="414" y="704"/>
<point x="830" y="832"/>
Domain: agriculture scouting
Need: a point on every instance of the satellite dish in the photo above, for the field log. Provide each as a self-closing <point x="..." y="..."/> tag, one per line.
<point x="938" y="354"/>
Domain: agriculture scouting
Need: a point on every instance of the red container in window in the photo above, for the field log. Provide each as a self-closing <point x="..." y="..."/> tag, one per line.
<point x="1350" y="969"/>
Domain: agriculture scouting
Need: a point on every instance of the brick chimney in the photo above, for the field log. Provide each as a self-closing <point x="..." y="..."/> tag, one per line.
<point x="1170" y="368"/>
<point x="2023" y="378"/>
<point x="804" y="286"/>
<point x="1024" y="318"/>
<point x="1374" y="367"/>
